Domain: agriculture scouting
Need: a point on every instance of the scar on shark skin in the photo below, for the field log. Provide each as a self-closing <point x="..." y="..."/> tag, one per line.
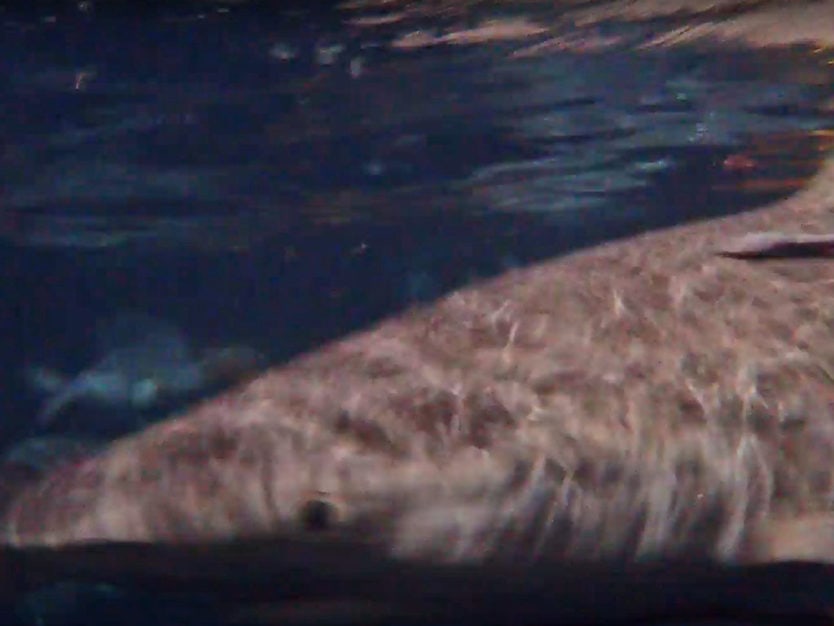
<point x="768" y="245"/>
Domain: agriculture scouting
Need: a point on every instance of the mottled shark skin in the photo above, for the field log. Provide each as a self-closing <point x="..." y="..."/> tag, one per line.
<point x="141" y="362"/>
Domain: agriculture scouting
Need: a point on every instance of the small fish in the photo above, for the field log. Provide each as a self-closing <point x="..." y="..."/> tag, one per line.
<point x="141" y="362"/>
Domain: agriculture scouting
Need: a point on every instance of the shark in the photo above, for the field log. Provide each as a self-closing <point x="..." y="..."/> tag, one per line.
<point x="140" y="363"/>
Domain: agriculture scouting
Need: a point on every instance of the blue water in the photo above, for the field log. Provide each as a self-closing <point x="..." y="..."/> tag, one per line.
<point x="281" y="176"/>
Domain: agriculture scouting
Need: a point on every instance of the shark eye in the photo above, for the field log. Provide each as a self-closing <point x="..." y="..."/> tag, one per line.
<point x="318" y="514"/>
<point x="144" y="393"/>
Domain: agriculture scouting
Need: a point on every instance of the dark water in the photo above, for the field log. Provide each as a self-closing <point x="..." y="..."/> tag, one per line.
<point x="279" y="177"/>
